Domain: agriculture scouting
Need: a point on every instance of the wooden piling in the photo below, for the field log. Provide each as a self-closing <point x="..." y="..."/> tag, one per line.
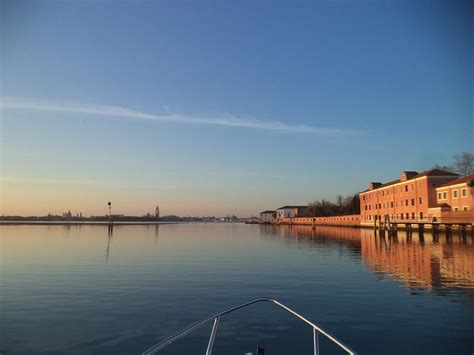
<point x="421" y="228"/>
<point x="448" y="229"/>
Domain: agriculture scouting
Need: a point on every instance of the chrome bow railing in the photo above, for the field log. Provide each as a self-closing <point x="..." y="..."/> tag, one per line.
<point x="215" y="318"/>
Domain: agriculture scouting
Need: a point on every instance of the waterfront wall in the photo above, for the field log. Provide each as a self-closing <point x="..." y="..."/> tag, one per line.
<point x="359" y="221"/>
<point x="455" y="216"/>
<point x="350" y="221"/>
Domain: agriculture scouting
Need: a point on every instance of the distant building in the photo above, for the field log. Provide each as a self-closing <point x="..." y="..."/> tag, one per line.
<point x="291" y="211"/>
<point x="157" y="212"/>
<point x="267" y="216"/>
<point x="457" y="195"/>
<point x="407" y="198"/>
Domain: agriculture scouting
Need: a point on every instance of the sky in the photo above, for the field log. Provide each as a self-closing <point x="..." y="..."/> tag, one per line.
<point x="225" y="107"/>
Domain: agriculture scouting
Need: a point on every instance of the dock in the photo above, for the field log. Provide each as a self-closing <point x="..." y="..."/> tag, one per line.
<point x="434" y="225"/>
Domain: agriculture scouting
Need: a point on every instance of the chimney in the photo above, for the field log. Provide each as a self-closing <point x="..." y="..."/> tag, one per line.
<point x="406" y="175"/>
<point x="374" y="185"/>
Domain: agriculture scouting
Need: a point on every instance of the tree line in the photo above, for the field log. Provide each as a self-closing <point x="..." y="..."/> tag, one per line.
<point x="344" y="205"/>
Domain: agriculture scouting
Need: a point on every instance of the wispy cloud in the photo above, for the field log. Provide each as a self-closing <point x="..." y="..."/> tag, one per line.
<point x="218" y="120"/>
<point x="92" y="183"/>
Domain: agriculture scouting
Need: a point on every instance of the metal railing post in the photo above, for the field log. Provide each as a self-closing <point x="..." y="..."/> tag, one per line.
<point x="213" y="336"/>
<point x="315" y="341"/>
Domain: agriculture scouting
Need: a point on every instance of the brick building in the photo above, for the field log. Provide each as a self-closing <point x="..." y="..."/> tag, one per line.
<point x="455" y="201"/>
<point x="407" y="198"/>
<point x="457" y="195"/>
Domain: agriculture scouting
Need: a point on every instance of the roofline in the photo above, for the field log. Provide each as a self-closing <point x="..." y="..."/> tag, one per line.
<point x="453" y="185"/>
<point x="406" y="181"/>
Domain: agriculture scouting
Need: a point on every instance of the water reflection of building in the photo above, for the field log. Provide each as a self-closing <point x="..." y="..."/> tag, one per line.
<point x="421" y="262"/>
<point x="298" y="231"/>
<point x="416" y="261"/>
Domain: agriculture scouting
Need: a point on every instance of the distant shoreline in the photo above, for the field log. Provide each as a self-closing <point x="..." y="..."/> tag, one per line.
<point x="101" y="223"/>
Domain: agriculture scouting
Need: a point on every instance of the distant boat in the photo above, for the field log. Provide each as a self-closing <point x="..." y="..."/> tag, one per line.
<point x="260" y="351"/>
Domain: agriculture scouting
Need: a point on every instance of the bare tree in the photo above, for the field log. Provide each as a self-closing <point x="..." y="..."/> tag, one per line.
<point x="344" y="206"/>
<point x="463" y="163"/>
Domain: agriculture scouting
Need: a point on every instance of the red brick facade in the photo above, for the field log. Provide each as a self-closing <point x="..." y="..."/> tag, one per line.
<point x="458" y="195"/>
<point x="407" y="198"/>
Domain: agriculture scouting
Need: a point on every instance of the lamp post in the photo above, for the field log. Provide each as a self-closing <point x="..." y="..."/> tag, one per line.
<point x="110" y="215"/>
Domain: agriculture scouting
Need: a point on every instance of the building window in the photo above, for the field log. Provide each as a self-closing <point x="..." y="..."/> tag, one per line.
<point x="407" y="215"/>
<point x="464" y="192"/>
<point x="420" y="200"/>
<point x="465" y="208"/>
<point x="442" y="195"/>
<point x="391" y="204"/>
<point x="406" y="188"/>
<point x="413" y="215"/>
<point x="421" y="215"/>
<point x="455" y="193"/>
<point x="455" y="209"/>
<point x="413" y="202"/>
<point x="406" y="203"/>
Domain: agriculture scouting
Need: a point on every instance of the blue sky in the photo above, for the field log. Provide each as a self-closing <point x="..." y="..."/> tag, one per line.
<point x="226" y="106"/>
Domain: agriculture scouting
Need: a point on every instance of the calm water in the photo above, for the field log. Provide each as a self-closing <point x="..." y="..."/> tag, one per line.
<point x="77" y="290"/>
